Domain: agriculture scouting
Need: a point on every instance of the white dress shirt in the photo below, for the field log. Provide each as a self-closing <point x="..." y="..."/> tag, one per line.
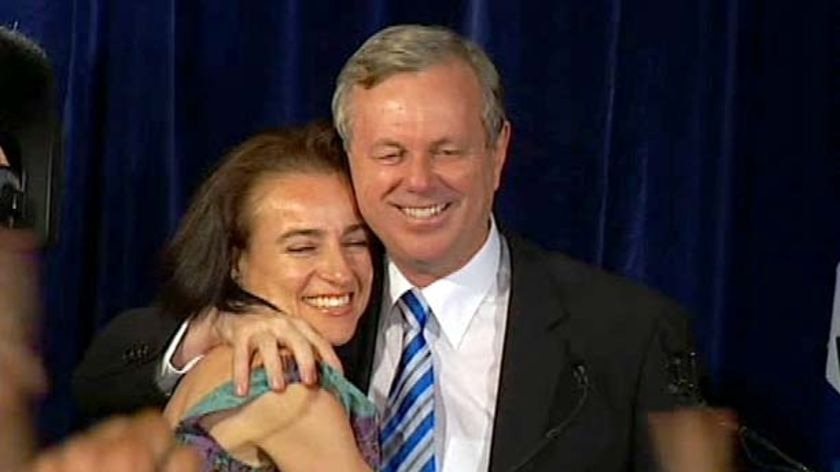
<point x="169" y="375"/>
<point x="466" y="338"/>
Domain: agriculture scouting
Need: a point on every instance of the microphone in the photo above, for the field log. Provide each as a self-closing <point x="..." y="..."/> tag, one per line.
<point x="582" y="381"/>
<point x="29" y="138"/>
<point x="746" y="435"/>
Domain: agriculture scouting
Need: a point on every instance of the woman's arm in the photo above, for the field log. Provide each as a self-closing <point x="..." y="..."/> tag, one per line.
<point x="212" y="371"/>
<point x="301" y="428"/>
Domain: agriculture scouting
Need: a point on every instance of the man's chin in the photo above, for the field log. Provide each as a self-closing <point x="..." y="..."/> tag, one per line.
<point x="424" y="258"/>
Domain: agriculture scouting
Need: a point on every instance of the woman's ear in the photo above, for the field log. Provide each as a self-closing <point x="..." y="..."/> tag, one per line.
<point x="237" y="265"/>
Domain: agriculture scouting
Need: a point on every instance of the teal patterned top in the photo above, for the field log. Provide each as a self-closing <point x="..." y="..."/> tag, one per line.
<point x="361" y="411"/>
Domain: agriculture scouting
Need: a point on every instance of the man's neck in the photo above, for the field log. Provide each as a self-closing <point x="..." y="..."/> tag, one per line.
<point x="421" y="276"/>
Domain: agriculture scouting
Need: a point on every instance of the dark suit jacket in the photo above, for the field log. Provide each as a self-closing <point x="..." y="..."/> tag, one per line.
<point x="586" y="354"/>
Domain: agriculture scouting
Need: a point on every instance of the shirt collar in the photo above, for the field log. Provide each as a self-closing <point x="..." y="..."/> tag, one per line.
<point x="455" y="299"/>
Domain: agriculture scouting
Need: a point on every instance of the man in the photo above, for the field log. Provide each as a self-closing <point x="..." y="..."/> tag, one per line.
<point x="537" y="362"/>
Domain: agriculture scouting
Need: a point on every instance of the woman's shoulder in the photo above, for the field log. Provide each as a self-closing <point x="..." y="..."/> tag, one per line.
<point x="303" y="428"/>
<point x="334" y="396"/>
<point x="283" y="423"/>
<point x="209" y="373"/>
<point x="217" y="364"/>
<point x="276" y="410"/>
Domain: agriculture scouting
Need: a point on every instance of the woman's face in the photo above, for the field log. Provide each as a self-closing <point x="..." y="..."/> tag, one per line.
<point x="308" y="251"/>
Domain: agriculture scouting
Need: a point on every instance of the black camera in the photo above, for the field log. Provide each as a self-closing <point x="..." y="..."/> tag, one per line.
<point x="29" y="138"/>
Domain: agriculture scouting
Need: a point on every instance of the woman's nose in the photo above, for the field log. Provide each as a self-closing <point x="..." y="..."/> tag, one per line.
<point x="336" y="267"/>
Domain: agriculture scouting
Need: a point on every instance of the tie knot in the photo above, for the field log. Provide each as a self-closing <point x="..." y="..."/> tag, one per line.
<point x="416" y="311"/>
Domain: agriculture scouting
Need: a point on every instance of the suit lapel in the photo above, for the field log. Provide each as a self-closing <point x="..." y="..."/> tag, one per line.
<point x="533" y="355"/>
<point x="536" y="386"/>
<point x="539" y="388"/>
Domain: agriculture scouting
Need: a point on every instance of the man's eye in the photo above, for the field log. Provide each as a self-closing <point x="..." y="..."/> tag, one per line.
<point x="300" y="249"/>
<point x="389" y="156"/>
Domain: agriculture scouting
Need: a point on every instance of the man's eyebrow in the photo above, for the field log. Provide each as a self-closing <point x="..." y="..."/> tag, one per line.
<point x="386" y="142"/>
<point x="442" y="142"/>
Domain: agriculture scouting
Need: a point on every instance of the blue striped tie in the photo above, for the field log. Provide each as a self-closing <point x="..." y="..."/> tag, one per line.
<point x="407" y="436"/>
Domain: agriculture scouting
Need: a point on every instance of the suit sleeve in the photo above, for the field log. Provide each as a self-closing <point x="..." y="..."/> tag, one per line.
<point x="118" y="371"/>
<point x="669" y="378"/>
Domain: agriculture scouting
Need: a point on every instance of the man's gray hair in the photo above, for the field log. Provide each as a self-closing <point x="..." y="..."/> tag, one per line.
<point x="412" y="48"/>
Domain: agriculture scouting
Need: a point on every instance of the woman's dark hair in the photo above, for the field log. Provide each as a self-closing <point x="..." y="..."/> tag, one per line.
<point x="215" y="229"/>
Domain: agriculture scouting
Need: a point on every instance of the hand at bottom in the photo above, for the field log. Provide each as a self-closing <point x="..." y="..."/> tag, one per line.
<point x="141" y="443"/>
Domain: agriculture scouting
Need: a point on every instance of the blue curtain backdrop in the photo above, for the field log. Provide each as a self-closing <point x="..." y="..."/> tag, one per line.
<point x="685" y="144"/>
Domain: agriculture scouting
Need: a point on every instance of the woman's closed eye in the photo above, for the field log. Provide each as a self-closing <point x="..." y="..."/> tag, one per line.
<point x="357" y="243"/>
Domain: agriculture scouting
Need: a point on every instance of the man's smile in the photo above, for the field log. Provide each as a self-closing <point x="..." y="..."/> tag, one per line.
<point x="423" y="212"/>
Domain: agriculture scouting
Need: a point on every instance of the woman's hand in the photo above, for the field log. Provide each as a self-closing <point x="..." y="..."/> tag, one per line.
<point x="262" y="331"/>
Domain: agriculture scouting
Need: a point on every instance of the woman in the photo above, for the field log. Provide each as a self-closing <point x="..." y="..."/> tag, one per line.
<point x="275" y="225"/>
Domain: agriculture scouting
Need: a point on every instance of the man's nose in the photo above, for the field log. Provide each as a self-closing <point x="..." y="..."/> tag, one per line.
<point x="420" y="173"/>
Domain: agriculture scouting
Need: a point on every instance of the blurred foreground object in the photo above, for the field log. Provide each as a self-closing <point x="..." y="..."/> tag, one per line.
<point x="712" y="440"/>
<point x="141" y="443"/>
<point x="20" y="370"/>
<point x="694" y="440"/>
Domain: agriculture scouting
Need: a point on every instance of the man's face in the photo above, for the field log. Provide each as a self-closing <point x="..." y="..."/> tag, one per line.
<point x="423" y="172"/>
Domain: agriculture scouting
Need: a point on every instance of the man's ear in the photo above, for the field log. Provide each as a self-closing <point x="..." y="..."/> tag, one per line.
<point x="500" y="150"/>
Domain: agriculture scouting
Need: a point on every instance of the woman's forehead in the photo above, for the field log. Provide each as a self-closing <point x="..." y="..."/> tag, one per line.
<point x="319" y="199"/>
